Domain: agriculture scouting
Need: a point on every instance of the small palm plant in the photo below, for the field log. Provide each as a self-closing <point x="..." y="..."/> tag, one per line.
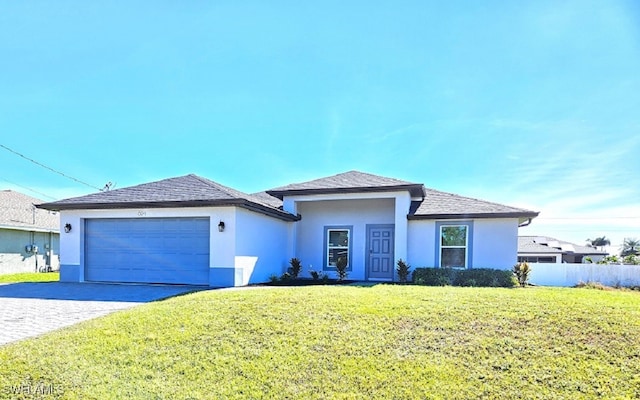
<point x="341" y="268"/>
<point x="296" y="266"/>
<point x="403" y="271"/>
<point x="522" y="271"/>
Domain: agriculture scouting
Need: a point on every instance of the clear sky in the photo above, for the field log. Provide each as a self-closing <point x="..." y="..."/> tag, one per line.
<point x="528" y="103"/>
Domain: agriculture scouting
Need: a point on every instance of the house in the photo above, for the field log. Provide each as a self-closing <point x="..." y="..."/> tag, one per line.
<point x="544" y="249"/>
<point x="190" y="230"/>
<point x="29" y="237"/>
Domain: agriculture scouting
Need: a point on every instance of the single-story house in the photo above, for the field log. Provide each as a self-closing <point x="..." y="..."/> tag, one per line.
<point x="544" y="249"/>
<point x="190" y="230"/>
<point x="29" y="237"/>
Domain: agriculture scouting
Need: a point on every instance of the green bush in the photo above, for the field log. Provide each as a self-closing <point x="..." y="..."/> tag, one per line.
<point x="432" y="276"/>
<point x="483" y="277"/>
<point x="480" y="277"/>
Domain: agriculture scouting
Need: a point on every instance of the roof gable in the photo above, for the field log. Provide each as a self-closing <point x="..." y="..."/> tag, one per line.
<point x="347" y="182"/>
<point x="443" y="205"/>
<point x="18" y="210"/>
<point x="184" y="191"/>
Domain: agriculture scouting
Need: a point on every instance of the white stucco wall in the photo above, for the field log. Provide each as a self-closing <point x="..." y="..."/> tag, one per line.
<point x="320" y="213"/>
<point x="421" y="243"/>
<point x="261" y="246"/>
<point x="494" y="243"/>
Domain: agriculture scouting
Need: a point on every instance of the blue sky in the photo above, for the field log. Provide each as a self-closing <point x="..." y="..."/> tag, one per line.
<point x="533" y="104"/>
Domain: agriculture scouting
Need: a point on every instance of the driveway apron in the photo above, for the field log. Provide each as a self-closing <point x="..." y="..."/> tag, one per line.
<point x="32" y="309"/>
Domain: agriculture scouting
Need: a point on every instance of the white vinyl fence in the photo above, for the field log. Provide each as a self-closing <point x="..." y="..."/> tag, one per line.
<point x="571" y="274"/>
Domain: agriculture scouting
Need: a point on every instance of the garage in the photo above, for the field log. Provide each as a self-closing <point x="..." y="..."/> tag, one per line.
<point x="147" y="250"/>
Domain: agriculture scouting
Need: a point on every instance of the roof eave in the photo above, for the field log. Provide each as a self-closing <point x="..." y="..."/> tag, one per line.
<point x="474" y="215"/>
<point x="414" y="189"/>
<point x="29" y="229"/>
<point x="249" y="205"/>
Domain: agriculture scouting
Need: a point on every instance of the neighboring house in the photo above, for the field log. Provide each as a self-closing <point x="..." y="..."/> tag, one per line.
<point x="29" y="237"/>
<point x="543" y="249"/>
<point x="190" y="230"/>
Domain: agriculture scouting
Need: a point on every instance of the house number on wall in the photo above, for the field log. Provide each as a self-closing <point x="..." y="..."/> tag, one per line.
<point x="142" y="213"/>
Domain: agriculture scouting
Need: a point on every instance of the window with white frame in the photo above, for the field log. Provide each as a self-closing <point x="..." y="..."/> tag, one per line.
<point x="454" y="246"/>
<point x="338" y="241"/>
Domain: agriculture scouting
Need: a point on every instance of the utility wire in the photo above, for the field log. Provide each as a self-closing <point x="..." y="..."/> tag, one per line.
<point x="49" y="168"/>
<point x="29" y="189"/>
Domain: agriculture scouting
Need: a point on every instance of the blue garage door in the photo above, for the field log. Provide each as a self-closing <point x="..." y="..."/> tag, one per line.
<point x="147" y="250"/>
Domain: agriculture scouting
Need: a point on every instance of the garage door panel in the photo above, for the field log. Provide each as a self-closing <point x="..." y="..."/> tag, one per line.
<point x="147" y="250"/>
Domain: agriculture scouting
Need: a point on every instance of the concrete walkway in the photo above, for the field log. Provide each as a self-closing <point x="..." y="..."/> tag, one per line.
<point x="31" y="309"/>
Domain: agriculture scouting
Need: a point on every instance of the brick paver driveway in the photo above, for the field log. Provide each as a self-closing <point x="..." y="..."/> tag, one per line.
<point x="31" y="309"/>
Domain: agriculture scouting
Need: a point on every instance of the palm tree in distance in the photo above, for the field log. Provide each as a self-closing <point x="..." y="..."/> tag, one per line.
<point x="630" y="247"/>
<point x="599" y="242"/>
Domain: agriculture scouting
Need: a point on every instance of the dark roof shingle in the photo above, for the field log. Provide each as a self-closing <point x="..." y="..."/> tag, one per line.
<point x="347" y="182"/>
<point x="184" y="191"/>
<point x="442" y="205"/>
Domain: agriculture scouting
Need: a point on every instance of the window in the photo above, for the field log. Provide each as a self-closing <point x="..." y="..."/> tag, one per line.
<point x="454" y="244"/>
<point x="337" y="245"/>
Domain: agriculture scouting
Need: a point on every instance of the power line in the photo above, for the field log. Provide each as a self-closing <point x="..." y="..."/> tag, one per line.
<point x="49" y="168"/>
<point x="29" y="189"/>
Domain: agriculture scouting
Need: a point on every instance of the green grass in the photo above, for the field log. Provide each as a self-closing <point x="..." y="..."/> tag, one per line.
<point x="385" y="341"/>
<point x="30" y="277"/>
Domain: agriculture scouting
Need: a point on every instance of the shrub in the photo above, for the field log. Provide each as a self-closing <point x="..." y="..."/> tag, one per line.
<point x="341" y="268"/>
<point x="521" y="272"/>
<point x="286" y="277"/>
<point x="403" y="270"/>
<point x="315" y="275"/>
<point x="610" y="260"/>
<point x="296" y="266"/>
<point x="592" y="285"/>
<point x="482" y="277"/>
<point x="273" y="278"/>
<point x="432" y="276"/>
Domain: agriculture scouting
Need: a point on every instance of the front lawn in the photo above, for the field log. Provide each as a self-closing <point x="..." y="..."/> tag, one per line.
<point x="385" y="341"/>
<point x="30" y="277"/>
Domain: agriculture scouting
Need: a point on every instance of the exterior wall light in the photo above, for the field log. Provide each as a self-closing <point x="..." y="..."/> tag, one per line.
<point x="221" y="227"/>
<point x="67" y="228"/>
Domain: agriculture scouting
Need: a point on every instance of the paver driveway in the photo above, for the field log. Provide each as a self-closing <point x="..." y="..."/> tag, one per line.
<point x="31" y="309"/>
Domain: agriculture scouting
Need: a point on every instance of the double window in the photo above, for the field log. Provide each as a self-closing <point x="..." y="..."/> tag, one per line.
<point x="337" y="246"/>
<point x="454" y="245"/>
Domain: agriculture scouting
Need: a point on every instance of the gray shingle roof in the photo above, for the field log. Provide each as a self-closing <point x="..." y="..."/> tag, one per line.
<point x="549" y="245"/>
<point x="347" y="182"/>
<point x="195" y="191"/>
<point x="442" y="205"/>
<point x="184" y="191"/>
<point x="18" y="211"/>
<point x="268" y="199"/>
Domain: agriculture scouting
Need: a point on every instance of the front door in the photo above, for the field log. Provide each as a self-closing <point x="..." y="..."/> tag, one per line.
<point x="380" y="244"/>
